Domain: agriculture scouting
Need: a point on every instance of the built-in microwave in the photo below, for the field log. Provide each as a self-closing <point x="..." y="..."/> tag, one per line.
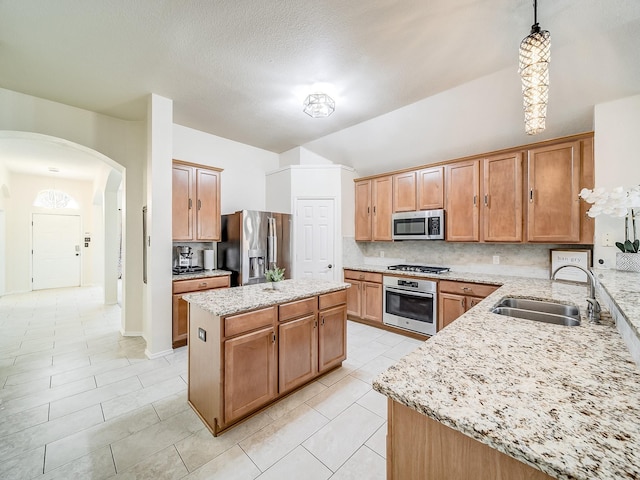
<point x="423" y="225"/>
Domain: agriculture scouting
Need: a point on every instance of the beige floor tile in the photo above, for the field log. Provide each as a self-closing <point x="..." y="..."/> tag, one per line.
<point x="164" y="465"/>
<point x="368" y="352"/>
<point x="131" y="401"/>
<point x="85" y="441"/>
<point x="91" y="370"/>
<point x="402" y="349"/>
<point x="129" y="371"/>
<point x="282" y="407"/>
<point x="365" y="463"/>
<point x="172" y="405"/>
<point x="378" y="441"/>
<point x="231" y="465"/>
<point x="297" y="464"/>
<point x="390" y="338"/>
<point x="98" y="465"/>
<point x="23" y="389"/>
<point x="373" y="368"/>
<point x="202" y="446"/>
<point x="161" y="374"/>
<point x="135" y="448"/>
<point x="95" y="396"/>
<point x="22" y="420"/>
<point x="343" y="436"/>
<point x="25" y="465"/>
<point x="374" y="402"/>
<point x="339" y="396"/>
<point x="279" y="438"/>
<point x="339" y="373"/>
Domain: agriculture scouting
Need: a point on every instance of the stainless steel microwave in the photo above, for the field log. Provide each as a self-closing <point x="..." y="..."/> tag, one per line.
<point x="422" y="225"/>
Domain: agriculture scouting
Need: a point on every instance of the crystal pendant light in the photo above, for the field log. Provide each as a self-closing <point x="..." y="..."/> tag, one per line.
<point x="319" y="105"/>
<point x="535" y="54"/>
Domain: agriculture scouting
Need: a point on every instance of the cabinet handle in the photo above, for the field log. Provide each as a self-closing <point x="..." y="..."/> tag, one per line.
<point x="315" y="324"/>
<point x="368" y="210"/>
<point x="531" y="195"/>
<point x="190" y="204"/>
<point x="466" y="289"/>
<point x="462" y="303"/>
<point x="322" y="323"/>
<point x="374" y="209"/>
<point x="475" y="200"/>
<point x="273" y="338"/>
<point x="203" y="284"/>
<point x="486" y="200"/>
<point x="199" y="204"/>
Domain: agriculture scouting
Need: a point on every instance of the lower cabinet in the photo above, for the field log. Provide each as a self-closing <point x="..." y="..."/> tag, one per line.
<point x="332" y="337"/>
<point x="364" y="298"/>
<point x="180" y="309"/>
<point x="298" y="345"/>
<point x="455" y="298"/>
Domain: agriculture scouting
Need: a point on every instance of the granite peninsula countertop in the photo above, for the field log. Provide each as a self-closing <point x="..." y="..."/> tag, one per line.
<point x="229" y="301"/>
<point x="203" y="274"/>
<point x="565" y="400"/>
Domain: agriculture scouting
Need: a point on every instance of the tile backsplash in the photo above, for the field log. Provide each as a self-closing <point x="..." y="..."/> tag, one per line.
<point x="514" y="259"/>
<point x="198" y="249"/>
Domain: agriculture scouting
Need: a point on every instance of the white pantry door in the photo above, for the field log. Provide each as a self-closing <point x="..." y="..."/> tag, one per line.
<point x="56" y="251"/>
<point x="315" y="239"/>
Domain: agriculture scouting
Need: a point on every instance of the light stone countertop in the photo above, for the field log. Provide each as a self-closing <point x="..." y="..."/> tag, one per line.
<point x="565" y="400"/>
<point x="203" y="274"/>
<point x="229" y="301"/>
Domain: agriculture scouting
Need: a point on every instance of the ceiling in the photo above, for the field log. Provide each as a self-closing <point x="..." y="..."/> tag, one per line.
<point x="241" y="69"/>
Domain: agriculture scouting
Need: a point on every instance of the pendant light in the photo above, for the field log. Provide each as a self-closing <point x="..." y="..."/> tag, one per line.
<point x="535" y="54"/>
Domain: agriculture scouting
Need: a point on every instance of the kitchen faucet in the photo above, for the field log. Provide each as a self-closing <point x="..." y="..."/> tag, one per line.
<point x="593" y="307"/>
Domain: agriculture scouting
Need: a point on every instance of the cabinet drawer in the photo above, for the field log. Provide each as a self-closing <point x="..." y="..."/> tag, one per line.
<point x="245" y="322"/>
<point x="206" y="283"/>
<point x="288" y="311"/>
<point x="332" y="299"/>
<point x="466" y="288"/>
<point x="366" y="276"/>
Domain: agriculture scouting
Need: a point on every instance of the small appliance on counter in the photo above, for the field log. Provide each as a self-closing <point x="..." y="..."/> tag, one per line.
<point x="185" y="255"/>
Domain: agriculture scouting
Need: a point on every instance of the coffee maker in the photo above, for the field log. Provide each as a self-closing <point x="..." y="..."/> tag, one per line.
<point x="184" y="256"/>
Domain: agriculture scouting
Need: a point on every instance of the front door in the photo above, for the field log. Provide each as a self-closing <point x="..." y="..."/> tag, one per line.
<point x="315" y="239"/>
<point x="56" y="251"/>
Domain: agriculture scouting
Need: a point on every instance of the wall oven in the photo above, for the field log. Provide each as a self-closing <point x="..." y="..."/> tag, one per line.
<point x="422" y="225"/>
<point x="410" y="304"/>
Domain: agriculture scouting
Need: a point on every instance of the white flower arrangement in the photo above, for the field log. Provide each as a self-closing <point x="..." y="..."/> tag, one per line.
<point x="618" y="202"/>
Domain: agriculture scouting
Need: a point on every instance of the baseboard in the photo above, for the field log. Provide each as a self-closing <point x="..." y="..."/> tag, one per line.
<point x="131" y="334"/>
<point x="152" y="356"/>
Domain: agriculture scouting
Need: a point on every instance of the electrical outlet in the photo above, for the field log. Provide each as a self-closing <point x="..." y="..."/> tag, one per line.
<point x="381" y="253"/>
<point x="496" y="259"/>
<point x="607" y="240"/>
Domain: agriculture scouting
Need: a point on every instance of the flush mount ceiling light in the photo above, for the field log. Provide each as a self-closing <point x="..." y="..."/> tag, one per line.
<point x="319" y="105"/>
<point x="535" y="54"/>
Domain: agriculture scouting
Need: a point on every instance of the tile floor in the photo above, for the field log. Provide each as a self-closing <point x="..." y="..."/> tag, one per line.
<point x="80" y="401"/>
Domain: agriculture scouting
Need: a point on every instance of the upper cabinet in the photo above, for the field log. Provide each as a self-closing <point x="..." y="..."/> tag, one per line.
<point x="404" y="192"/>
<point x="374" y="205"/>
<point x="462" y="193"/>
<point x="196" y="202"/>
<point x="430" y="188"/>
<point x="501" y="198"/>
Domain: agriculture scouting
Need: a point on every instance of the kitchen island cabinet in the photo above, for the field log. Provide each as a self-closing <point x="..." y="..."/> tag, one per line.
<point x="251" y="345"/>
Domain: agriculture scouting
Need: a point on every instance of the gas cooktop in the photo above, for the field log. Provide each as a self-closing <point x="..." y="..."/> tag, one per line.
<point x="183" y="270"/>
<point x="418" y="268"/>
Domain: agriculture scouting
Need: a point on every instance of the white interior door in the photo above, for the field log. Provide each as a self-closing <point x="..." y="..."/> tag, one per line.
<point x="56" y="251"/>
<point x="315" y="239"/>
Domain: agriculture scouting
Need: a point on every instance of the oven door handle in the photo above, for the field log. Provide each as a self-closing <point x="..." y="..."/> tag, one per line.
<point x="409" y="292"/>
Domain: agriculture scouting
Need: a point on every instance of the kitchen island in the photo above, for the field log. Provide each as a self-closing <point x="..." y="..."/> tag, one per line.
<point x="564" y="402"/>
<point x="251" y="345"/>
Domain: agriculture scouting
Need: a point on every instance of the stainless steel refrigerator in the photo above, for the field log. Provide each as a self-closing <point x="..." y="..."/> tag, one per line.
<point x="253" y="242"/>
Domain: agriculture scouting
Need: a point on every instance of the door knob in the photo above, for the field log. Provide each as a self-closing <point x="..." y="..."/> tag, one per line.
<point x="329" y="266"/>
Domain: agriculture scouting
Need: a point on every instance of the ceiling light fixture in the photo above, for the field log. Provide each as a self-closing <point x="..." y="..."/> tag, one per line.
<point x="319" y="105"/>
<point x="535" y="54"/>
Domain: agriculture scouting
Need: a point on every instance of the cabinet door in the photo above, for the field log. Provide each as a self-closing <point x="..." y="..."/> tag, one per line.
<point x="182" y="196"/>
<point x="208" y="205"/>
<point x="372" y="301"/>
<point x="431" y="188"/>
<point x="473" y="301"/>
<point x="382" y="194"/>
<point x="553" y="206"/>
<point x="180" y="316"/>
<point x="462" y="191"/>
<point x="363" y="210"/>
<point x="332" y="337"/>
<point x="451" y="307"/>
<point x="297" y="352"/>
<point x="250" y="372"/>
<point x="502" y="198"/>
<point x="354" y="298"/>
<point x="404" y="192"/>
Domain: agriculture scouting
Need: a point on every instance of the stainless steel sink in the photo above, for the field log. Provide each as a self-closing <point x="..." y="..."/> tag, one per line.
<point x="539" y="311"/>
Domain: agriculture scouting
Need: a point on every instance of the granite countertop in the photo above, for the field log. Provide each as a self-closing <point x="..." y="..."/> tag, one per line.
<point x="203" y="274"/>
<point x="229" y="301"/>
<point x="565" y="400"/>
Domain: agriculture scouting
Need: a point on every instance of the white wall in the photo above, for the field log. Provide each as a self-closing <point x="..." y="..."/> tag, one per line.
<point x="18" y="223"/>
<point x="617" y="126"/>
<point x="243" y="179"/>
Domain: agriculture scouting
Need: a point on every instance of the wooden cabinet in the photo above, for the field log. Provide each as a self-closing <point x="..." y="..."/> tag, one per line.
<point x="501" y="197"/>
<point x="455" y="298"/>
<point x="196" y="203"/>
<point x="404" y="192"/>
<point x="332" y="335"/>
<point x="462" y="197"/>
<point x="364" y="298"/>
<point x="430" y="188"/>
<point x="250" y="372"/>
<point x="373" y="208"/>
<point x="419" y="447"/>
<point x="180" y="313"/>
<point x="553" y="184"/>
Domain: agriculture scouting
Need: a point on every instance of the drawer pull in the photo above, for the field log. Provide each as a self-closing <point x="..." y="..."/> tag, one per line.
<point x="466" y="289"/>
<point x="203" y="284"/>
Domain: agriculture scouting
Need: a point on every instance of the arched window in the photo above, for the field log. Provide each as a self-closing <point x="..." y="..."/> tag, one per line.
<point x="55" y="199"/>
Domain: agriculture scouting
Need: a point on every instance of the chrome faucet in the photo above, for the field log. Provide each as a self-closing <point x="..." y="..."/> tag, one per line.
<point x="593" y="307"/>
